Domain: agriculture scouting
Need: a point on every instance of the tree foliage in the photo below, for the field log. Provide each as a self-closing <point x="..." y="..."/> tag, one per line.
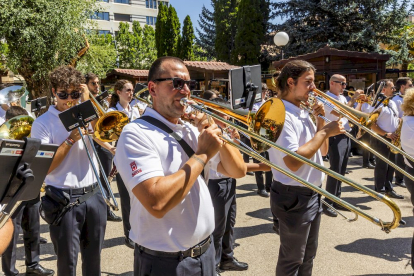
<point x="161" y="30"/>
<point x="225" y="19"/>
<point x="126" y="46"/>
<point x="206" y="35"/>
<point x="148" y="47"/>
<point x="101" y="56"/>
<point x="354" y="25"/>
<point x="187" y="40"/>
<point x="172" y="34"/>
<point x="41" y="35"/>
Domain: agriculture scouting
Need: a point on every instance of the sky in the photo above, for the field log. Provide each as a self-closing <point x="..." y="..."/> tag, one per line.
<point x="191" y="8"/>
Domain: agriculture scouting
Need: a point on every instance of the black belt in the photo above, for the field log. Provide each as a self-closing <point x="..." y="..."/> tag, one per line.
<point x="289" y="188"/>
<point x="193" y="252"/>
<point x="81" y="191"/>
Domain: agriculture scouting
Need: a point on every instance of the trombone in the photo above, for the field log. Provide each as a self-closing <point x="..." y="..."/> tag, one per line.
<point x="261" y="123"/>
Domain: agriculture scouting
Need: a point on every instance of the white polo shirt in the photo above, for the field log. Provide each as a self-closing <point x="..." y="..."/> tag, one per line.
<point x="332" y="117"/>
<point x="132" y="113"/>
<point x="297" y="131"/>
<point x="367" y="108"/>
<point x="407" y="137"/>
<point x="75" y="171"/>
<point x="144" y="152"/>
<point x="388" y="118"/>
<point x="398" y="100"/>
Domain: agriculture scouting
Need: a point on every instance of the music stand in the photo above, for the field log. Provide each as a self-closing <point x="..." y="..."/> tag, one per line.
<point x="245" y="86"/>
<point x="78" y="116"/>
<point x="38" y="104"/>
<point x="23" y="165"/>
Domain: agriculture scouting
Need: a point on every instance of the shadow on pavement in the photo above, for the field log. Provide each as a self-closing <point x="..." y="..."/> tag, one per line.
<point x="384" y="274"/>
<point x="250" y="231"/>
<point x="394" y="249"/>
<point x="130" y="273"/>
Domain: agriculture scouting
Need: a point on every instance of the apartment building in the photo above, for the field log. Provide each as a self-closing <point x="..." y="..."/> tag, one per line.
<point x="116" y="11"/>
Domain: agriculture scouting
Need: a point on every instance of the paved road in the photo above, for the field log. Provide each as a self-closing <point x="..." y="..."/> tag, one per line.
<point x="358" y="248"/>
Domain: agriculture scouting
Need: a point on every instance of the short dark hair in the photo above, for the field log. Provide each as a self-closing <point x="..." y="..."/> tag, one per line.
<point x="65" y="77"/>
<point x="156" y="69"/>
<point x="90" y="76"/>
<point x="208" y="94"/>
<point x="14" y="111"/>
<point x="401" y="81"/>
<point x="293" y="69"/>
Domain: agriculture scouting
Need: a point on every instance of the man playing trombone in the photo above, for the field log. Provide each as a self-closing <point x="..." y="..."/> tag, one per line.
<point x="160" y="158"/>
<point x="297" y="207"/>
<point x="82" y="228"/>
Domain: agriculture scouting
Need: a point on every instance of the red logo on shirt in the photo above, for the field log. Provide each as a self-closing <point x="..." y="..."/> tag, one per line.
<point x="133" y="166"/>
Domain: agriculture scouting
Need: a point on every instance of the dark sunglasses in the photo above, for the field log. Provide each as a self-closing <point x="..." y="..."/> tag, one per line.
<point x="341" y="82"/>
<point x="178" y="83"/>
<point x="64" y="95"/>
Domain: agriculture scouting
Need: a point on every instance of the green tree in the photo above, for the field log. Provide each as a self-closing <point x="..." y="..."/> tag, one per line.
<point x="206" y="35"/>
<point x="43" y="34"/>
<point x="251" y="32"/>
<point x="137" y="34"/>
<point x="187" y="40"/>
<point x="172" y="34"/>
<point x="149" y="50"/>
<point x="225" y="19"/>
<point x="101" y="56"/>
<point x="126" y="46"/>
<point x="354" y="25"/>
<point x="161" y="30"/>
<point x="4" y="50"/>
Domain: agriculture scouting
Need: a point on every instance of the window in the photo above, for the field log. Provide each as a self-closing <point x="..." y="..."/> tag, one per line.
<point x="101" y="16"/>
<point x="151" y="20"/>
<point x="103" y="32"/>
<point x="107" y="1"/>
<point x="164" y="2"/>
<point x="122" y="17"/>
<point x="151" y="4"/>
<point x="122" y="1"/>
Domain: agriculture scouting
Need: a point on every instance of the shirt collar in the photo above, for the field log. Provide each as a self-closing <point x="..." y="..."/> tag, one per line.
<point x="52" y="109"/>
<point x="295" y="110"/>
<point x="120" y="108"/>
<point x="152" y="113"/>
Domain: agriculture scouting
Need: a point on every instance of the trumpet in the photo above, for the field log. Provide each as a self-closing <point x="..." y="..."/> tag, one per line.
<point x="259" y="124"/>
<point x="367" y="99"/>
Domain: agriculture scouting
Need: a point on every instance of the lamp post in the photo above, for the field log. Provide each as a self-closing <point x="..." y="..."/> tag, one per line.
<point x="281" y="39"/>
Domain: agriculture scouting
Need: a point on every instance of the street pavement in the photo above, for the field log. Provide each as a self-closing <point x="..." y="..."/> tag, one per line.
<point x="356" y="248"/>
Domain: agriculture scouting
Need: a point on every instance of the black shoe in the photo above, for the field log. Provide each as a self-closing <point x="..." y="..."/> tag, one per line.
<point x="218" y="271"/>
<point x="325" y="158"/>
<point x="401" y="184"/>
<point x="234" y="265"/>
<point x="262" y="193"/>
<point x="276" y="229"/>
<point x="39" y="270"/>
<point x="267" y="189"/>
<point x="329" y="212"/>
<point x="112" y="217"/>
<point x="351" y="154"/>
<point x="250" y="173"/>
<point x="128" y="242"/>
<point x="393" y="194"/>
<point x="369" y="166"/>
<point x="42" y="240"/>
<point x="340" y="207"/>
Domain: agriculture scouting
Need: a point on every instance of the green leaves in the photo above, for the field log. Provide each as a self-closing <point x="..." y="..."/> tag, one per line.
<point x="187" y="40"/>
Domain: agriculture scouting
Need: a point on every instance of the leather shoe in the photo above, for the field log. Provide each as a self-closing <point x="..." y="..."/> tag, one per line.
<point x="42" y="240"/>
<point x="39" y="270"/>
<point x="393" y="194"/>
<point x="262" y="193"/>
<point x="234" y="265"/>
<point x="128" y="242"/>
<point x="250" y="173"/>
<point x="112" y="217"/>
<point x="369" y="166"/>
<point x="325" y="158"/>
<point x="401" y="184"/>
<point x="329" y="212"/>
<point x="276" y="229"/>
<point x="351" y="154"/>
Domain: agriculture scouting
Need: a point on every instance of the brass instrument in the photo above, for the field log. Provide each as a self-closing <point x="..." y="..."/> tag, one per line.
<point x="11" y="94"/>
<point x="367" y="99"/>
<point x="16" y="128"/>
<point x="261" y="126"/>
<point x="397" y="142"/>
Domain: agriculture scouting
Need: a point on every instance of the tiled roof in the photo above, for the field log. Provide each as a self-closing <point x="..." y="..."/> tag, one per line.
<point x="132" y="72"/>
<point x="209" y="65"/>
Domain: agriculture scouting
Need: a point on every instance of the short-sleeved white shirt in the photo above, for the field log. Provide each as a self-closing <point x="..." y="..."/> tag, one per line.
<point x="388" y="119"/>
<point x="407" y="137"/>
<point x="297" y="131"/>
<point x="332" y="117"/>
<point x="398" y="100"/>
<point x="145" y="152"/>
<point x="132" y="113"/>
<point x="75" y="171"/>
<point x="367" y="108"/>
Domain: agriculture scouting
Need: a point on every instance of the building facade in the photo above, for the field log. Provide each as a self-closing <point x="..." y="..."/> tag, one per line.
<point x="116" y="11"/>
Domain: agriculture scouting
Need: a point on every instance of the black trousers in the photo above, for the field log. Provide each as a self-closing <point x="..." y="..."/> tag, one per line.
<point x="339" y="148"/>
<point x="106" y="157"/>
<point x="223" y="195"/>
<point x="299" y="212"/>
<point x="383" y="173"/>
<point x="410" y="188"/>
<point x="367" y="156"/>
<point x="125" y="204"/>
<point x="399" y="161"/>
<point x="81" y="229"/>
<point x="26" y="217"/>
<point x="145" y="264"/>
<point x="259" y="175"/>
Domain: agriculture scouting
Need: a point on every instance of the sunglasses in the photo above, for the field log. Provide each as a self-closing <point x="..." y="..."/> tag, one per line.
<point x="64" y="95"/>
<point x="341" y="82"/>
<point x="178" y="83"/>
<point x="95" y="83"/>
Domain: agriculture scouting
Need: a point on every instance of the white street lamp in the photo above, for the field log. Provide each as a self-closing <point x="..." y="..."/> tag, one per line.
<point x="281" y="39"/>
